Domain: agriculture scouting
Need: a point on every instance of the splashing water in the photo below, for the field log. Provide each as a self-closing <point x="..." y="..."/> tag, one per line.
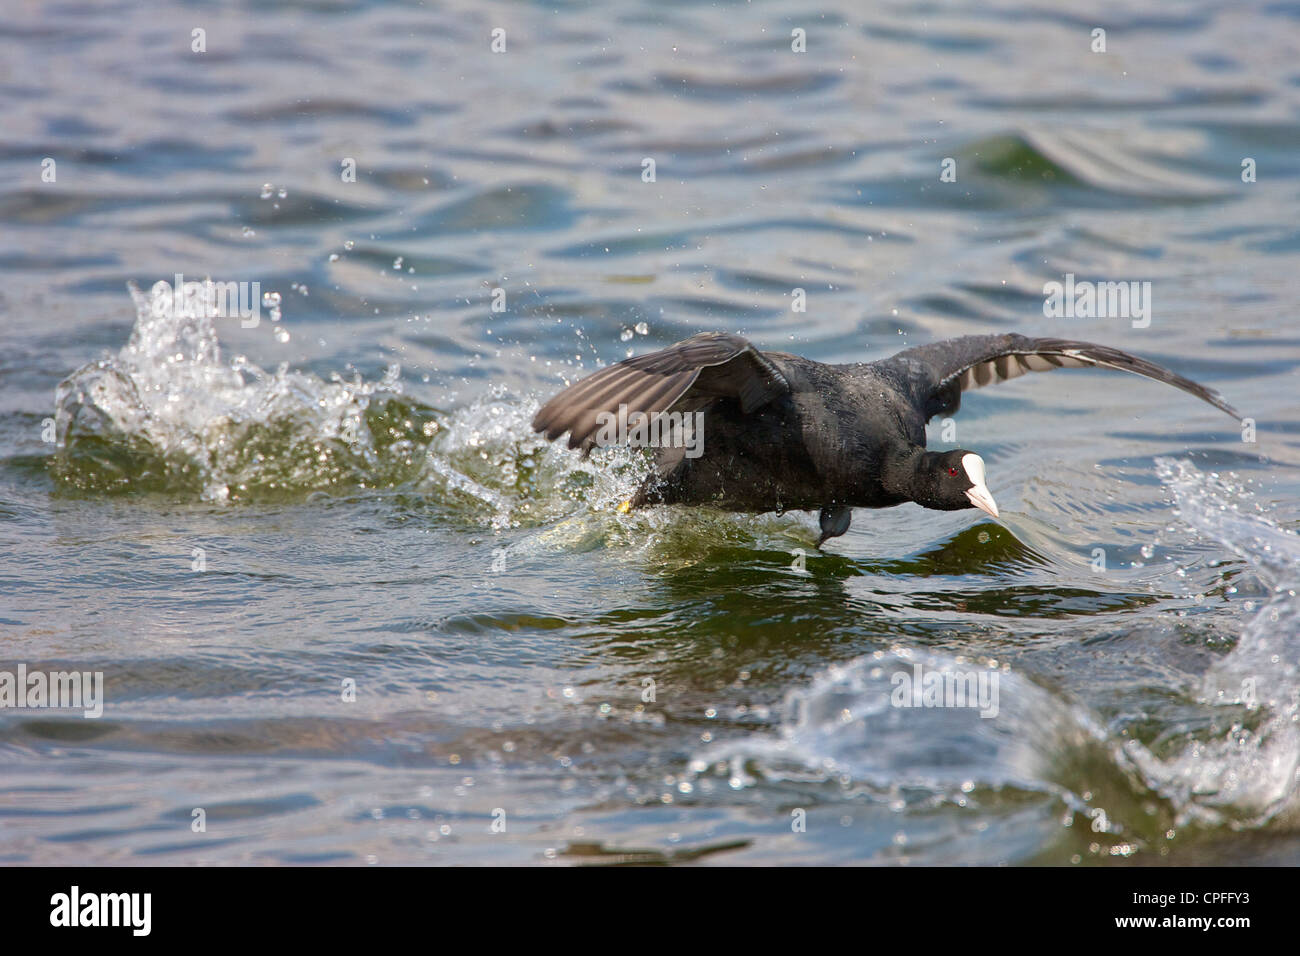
<point x="489" y="460"/>
<point x="844" y="727"/>
<point x="859" y="722"/>
<point x="1252" y="774"/>
<point x="169" y="413"/>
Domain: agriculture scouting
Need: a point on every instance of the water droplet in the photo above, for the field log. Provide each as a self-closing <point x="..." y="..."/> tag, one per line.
<point x="267" y="190"/>
<point x="642" y="329"/>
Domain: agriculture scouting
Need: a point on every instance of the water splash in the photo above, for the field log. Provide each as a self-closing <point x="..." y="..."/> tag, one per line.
<point x="488" y="459"/>
<point x="843" y="727"/>
<point x="848" y="726"/>
<point x="1252" y="774"/>
<point x="169" y="413"/>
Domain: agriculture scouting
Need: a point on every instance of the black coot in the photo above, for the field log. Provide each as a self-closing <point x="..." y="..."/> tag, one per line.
<point x="745" y="430"/>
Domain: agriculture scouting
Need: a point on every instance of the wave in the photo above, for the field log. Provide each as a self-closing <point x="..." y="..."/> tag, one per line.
<point x="169" y="413"/>
<point x="1249" y="775"/>
<point x="846" y="727"/>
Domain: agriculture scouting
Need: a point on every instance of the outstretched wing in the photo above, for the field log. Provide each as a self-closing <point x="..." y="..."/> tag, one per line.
<point x="691" y="373"/>
<point x="941" y="371"/>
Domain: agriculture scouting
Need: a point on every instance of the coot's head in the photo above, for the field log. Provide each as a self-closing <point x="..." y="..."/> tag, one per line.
<point x="952" y="480"/>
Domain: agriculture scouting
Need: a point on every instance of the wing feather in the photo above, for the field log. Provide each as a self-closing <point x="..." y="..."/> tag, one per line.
<point x="689" y="374"/>
<point x="940" y="371"/>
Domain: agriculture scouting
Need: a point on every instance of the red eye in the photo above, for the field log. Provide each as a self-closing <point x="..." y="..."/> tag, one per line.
<point x="952" y="472"/>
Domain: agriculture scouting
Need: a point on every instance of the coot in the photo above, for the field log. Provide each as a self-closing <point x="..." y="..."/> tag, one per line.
<point x="768" y="431"/>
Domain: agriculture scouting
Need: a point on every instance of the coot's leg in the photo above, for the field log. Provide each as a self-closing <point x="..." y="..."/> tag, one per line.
<point x="835" y="521"/>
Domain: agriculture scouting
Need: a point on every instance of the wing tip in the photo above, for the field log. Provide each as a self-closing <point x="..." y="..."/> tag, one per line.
<point x="1218" y="402"/>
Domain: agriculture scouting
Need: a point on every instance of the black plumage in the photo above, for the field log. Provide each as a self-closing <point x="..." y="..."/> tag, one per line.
<point x="785" y="432"/>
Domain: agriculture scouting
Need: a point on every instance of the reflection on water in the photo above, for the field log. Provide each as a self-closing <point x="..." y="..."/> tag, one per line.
<point x="239" y="522"/>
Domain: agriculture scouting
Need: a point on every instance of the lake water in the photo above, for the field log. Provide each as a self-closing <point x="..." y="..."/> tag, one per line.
<point x="349" y="609"/>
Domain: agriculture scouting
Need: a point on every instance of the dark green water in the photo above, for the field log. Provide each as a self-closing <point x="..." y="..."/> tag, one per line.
<point x="356" y="481"/>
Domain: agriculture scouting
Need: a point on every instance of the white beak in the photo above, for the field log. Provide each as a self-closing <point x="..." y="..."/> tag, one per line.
<point x="979" y="495"/>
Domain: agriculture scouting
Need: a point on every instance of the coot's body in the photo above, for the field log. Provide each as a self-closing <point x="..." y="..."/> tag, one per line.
<point x="782" y="432"/>
<point x="824" y="442"/>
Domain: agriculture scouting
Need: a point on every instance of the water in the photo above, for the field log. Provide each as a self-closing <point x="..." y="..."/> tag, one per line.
<point x="356" y="482"/>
